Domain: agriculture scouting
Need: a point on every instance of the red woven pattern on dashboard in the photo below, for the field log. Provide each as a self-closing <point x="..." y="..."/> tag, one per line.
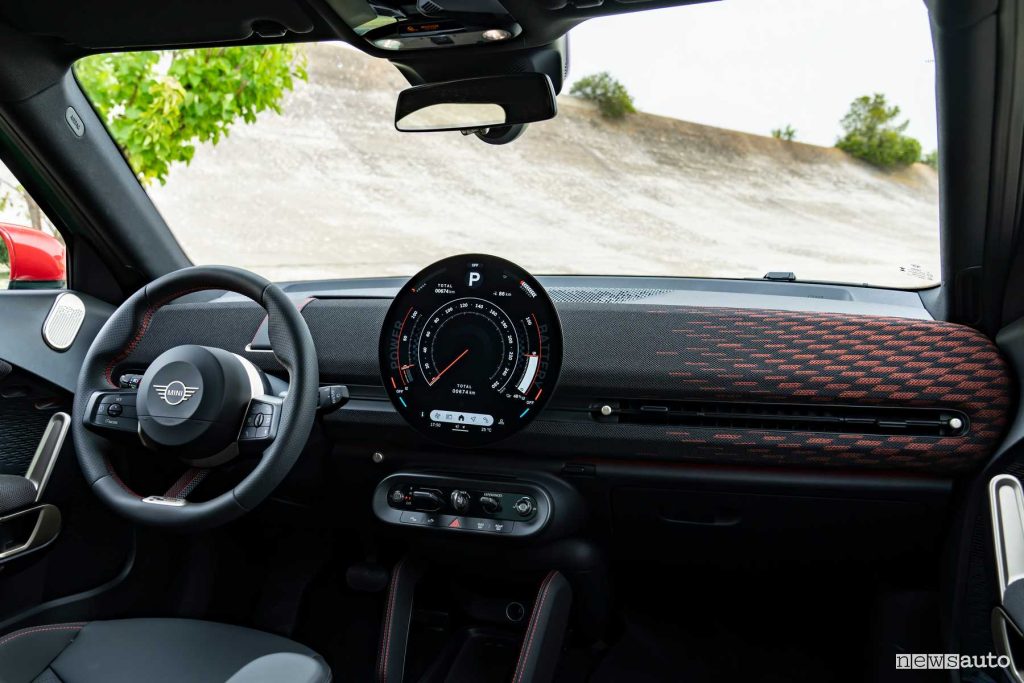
<point x="778" y="356"/>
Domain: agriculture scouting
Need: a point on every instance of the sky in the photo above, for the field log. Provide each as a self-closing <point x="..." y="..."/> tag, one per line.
<point x="755" y="65"/>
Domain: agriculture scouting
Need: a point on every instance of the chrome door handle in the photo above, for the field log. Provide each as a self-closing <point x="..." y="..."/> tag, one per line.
<point x="1006" y="498"/>
<point x="36" y="527"/>
<point x="32" y="529"/>
<point x="47" y="451"/>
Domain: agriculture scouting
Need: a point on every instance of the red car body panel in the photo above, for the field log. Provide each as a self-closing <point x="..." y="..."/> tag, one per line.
<point x="34" y="255"/>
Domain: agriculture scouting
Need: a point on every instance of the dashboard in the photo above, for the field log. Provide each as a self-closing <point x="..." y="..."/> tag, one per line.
<point x="653" y="371"/>
<point x="647" y="402"/>
<point x="682" y="410"/>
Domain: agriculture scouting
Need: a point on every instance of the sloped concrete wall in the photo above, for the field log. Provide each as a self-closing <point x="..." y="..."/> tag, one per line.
<point x="330" y="189"/>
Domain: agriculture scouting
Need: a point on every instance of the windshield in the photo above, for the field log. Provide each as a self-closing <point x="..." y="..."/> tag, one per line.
<point x="722" y="140"/>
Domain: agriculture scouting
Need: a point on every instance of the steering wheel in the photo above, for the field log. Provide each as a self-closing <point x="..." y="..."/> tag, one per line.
<point x="203" y="405"/>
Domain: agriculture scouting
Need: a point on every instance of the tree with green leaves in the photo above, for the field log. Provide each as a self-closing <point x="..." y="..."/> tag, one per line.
<point x="611" y="96"/>
<point x="874" y="135"/>
<point x="12" y="195"/>
<point x="787" y="133"/>
<point x="160" y="105"/>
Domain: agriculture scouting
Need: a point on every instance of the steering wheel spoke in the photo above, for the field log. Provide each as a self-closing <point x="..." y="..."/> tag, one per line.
<point x="112" y="412"/>
<point x="262" y="420"/>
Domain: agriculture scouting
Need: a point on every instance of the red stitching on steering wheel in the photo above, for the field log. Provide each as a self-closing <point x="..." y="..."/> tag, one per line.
<point x="110" y="469"/>
<point x="147" y="318"/>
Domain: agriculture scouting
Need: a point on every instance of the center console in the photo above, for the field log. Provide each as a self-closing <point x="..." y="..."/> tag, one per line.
<point x="474" y="645"/>
<point x="467" y="506"/>
<point x="490" y="507"/>
<point x="466" y="602"/>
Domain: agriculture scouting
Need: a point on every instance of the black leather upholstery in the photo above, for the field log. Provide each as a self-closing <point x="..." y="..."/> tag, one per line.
<point x="542" y="642"/>
<point x="394" y="638"/>
<point x="279" y="667"/>
<point x="15" y="492"/>
<point x="155" y="651"/>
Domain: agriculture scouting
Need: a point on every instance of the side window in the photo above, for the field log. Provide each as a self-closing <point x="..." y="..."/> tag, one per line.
<point x="32" y="252"/>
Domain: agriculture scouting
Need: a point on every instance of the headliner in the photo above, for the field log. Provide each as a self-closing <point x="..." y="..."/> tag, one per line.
<point x="108" y="25"/>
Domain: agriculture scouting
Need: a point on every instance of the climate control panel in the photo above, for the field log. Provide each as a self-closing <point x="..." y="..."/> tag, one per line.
<point x="462" y="505"/>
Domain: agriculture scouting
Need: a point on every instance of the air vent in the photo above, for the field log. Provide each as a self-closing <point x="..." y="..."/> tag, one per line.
<point x="785" y="417"/>
<point x="429" y="8"/>
<point x="603" y="295"/>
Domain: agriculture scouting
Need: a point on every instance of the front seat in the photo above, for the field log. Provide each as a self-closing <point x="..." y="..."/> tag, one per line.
<point x="155" y="651"/>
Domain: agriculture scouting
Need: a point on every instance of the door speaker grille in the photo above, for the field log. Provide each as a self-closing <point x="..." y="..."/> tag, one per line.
<point x="63" y="321"/>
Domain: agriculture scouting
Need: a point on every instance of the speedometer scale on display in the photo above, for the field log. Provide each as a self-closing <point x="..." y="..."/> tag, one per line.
<point x="470" y="350"/>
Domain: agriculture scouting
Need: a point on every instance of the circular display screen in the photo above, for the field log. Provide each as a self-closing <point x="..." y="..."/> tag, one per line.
<point x="471" y="349"/>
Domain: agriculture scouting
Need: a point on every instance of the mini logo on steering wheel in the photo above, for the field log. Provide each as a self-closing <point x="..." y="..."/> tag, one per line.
<point x="175" y="392"/>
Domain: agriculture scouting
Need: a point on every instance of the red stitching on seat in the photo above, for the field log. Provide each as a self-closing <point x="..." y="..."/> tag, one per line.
<point x="147" y="318"/>
<point x="532" y="630"/>
<point x="41" y="629"/>
<point x="386" y="644"/>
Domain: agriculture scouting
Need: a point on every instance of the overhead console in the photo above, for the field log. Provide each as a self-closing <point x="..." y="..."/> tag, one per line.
<point x="427" y="24"/>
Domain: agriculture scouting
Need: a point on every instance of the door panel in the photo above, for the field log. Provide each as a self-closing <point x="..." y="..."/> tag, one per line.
<point x="24" y="315"/>
<point x="94" y="547"/>
<point x="26" y="406"/>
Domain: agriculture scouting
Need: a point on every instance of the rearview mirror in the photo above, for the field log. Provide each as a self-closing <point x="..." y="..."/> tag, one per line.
<point x="476" y="103"/>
